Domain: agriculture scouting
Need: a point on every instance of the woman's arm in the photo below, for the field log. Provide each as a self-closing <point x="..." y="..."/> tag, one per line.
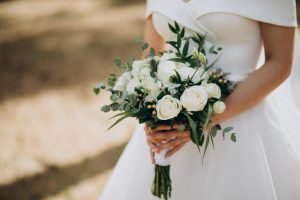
<point x="152" y="37"/>
<point x="279" y="49"/>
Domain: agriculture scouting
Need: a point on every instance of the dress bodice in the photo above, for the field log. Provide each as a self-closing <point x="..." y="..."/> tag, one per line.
<point x="239" y="37"/>
<point x="232" y="28"/>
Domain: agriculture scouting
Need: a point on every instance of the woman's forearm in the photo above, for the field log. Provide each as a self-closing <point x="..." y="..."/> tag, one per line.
<point x="279" y="50"/>
<point x="254" y="89"/>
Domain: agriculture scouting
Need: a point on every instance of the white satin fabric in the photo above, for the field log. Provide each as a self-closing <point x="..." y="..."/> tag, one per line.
<point x="264" y="164"/>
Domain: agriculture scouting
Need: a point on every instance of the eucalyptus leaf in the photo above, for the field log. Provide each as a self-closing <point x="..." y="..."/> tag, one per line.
<point x="114" y="106"/>
<point x="96" y="90"/>
<point x="145" y="46"/>
<point x="105" y="108"/>
<point x="227" y="129"/>
<point x="152" y="52"/>
<point x="233" y="137"/>
<point x="118" y="62"/>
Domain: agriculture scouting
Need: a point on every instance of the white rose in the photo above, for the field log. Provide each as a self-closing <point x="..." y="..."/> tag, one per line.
<point x="132" y="84"/>
<point x="144" y="73"/>
<point x="122" y="81"/>
<point x="153" y="87"/>
<point x="185" y="72"/>
<point x="168" y="108"/>
<point x="219" y="107"/>
<point x="167" y="56"/>
<point x="194" y="98"/>
<point x="165" y="70"/>
<point x="213" y="90"/>
<point x="137" y="66"/>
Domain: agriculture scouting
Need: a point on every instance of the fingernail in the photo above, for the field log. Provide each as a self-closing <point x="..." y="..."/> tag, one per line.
<point x="163" y="141"/>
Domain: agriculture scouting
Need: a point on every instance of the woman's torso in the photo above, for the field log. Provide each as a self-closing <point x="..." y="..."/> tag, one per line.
<point x="239" y="36"/>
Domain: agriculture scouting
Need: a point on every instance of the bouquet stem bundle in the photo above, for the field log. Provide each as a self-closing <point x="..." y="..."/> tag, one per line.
<point x="162" y="184"/>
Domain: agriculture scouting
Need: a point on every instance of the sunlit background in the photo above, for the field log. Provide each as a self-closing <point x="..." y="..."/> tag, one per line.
<point x="53" y="144"/>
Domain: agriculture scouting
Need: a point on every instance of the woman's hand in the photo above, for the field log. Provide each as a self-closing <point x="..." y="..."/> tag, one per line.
<point x="166" y="137"/>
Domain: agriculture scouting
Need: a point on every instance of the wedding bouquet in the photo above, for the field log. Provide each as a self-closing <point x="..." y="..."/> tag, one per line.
<point x="177" y="87"/>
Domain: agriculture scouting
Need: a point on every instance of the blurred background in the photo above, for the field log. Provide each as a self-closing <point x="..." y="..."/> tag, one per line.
<point x="53" y="144"/>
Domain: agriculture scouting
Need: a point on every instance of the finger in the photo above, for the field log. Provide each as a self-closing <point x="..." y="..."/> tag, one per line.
<point x="152" y="157"/>
<point x="162" y="128"/>
<point x="172" y="144"/>
<point x="147" y="129"/>
<point x="153" y="140"/>
<point x="175" y="149"/>
<point x="167" y="135"/>
<point x="169" y="145"/>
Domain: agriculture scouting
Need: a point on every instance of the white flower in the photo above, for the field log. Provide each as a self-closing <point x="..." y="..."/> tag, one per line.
<point x="213" y="90"/>
<point x="168" y="108"/>
<point x="199" y="55"/>
<point x="219" y="107"/>
<point x="152" y="86"/>
<point x="165" y="70"/>
<point x="185" y="72"/>
<point x="167" y="56"/>
<point x="122" y="81"/>
<point x="172" y="88"/>
<point x="199" y="75"/>
<point x="132" y="84"/>
<point x="137" y="66"/>
<point x="194" y="98"/>
<point x="144" y="73"/>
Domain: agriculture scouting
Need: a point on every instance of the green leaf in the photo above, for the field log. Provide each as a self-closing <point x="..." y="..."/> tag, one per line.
<point x="208" y="116"/>
<point x="105" y="108"/>
<point x="172" y="43"/>
<point x="172" y="28"/>
<point x="211" y="49"/>
<point x="152" y="52"/>
<point x="213" y="131"/>
<point x="178" y="41"/>
<point x="233" y="137"/>
<point x="119" y="114"/>
<point x="185" y="48"/>
<point x="96" y="90"/>
<point x="114" y="106"/>
<point x="120" y="119"/>
<point x="145" y="46"/>
<point x="205" y="147"/>
<point x="118" y="62"/>
<point x="192" y="125"/>
<point x="177" y="26"/>
<point x="132" y="100"/>
<point x="127" y="107"/>
<point x="227" y="129"/>
<point x="182" y="33"/>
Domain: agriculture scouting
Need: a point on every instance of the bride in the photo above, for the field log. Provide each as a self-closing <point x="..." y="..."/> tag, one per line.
<point x="258" y="38"/>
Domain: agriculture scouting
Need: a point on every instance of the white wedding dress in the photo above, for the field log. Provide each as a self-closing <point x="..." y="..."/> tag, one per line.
<point x="264" y="163"/>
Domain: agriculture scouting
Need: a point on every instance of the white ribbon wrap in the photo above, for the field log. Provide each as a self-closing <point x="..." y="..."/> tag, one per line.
<point x="160" y="158"/>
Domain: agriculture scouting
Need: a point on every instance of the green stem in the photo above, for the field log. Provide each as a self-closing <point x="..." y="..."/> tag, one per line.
<point x="162" y="186"/>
